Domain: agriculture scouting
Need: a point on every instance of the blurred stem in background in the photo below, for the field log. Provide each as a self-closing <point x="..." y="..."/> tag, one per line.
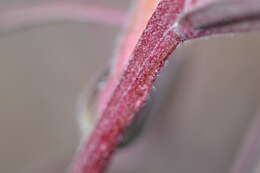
<point x="17" y="17"/>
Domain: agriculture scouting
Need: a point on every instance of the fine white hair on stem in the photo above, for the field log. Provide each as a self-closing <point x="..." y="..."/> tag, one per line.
<point x="23" y="16"/>
<point x="249" y="155"/>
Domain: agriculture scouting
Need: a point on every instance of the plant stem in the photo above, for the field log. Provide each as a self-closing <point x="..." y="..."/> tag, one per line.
<point x="163" y="33"/>
<point x="156" y="43"/>
<point x="219" y="17"/>
<point x="138" y="19"/>
<point x="16" y="17"/>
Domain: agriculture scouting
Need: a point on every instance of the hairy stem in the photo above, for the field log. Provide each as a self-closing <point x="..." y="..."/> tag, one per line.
<point x="156" y="43"/>
<point x="165" y="30"/>
<point x="140" y="14"/>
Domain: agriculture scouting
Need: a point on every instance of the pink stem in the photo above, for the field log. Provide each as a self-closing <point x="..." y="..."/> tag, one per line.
<point x="156" y="43"/>
<point x="163" y="33"/>
<point x="136" y="24"/>
<point x="221" y="16"/>
<point x="21" y="16"/>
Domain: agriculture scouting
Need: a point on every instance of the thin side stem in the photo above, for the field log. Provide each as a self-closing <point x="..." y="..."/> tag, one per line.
<point x="219" y="17"/>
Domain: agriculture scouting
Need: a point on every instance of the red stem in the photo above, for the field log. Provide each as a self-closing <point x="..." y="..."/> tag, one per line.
<point x="249" y="155"/>
<point x="160" y="38"/>
<point x="156" y="43"/>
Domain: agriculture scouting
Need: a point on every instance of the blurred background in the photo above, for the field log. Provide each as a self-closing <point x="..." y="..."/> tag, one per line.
<point x="201" y="126"/>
